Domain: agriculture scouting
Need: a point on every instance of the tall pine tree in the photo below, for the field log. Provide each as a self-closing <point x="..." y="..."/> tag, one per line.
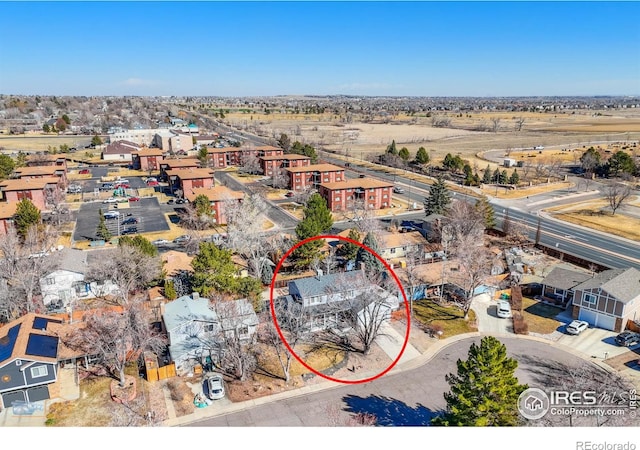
<point x="485" y="390"/>
<point x="487" y="212"/>
<point x="102" y="232"/>
<point x="486" y="177"/>
<point x="422" y="157"/>
<point x="371" y="263"/>
<point x="438" y="199"/>
<point x="27" y="214"/>
<point x="348" y="250"/>
<point x="317" y="220"/>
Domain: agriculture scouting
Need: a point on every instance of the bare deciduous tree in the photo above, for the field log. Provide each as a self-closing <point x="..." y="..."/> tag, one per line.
<point x="280" y="178"/>
<point x="55" y="200"/>
<point x="464" y="219"/>
<point x="519" y="123"/>
<point x="616" y="194"/>
<point x="250" y="163"/>
<point x="474" y="260"/>
<point x="495" y="124"/>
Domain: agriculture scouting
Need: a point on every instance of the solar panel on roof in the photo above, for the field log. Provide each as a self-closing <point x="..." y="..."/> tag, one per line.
<point x="45" y="346"/>
<point x="40" y="323"/>
<point x="8" y="342"/>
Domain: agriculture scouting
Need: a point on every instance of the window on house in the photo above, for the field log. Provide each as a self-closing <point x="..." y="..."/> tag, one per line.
<point x="243" y="331"/>
<point x="208" y="327"/>
<point x="338" y="198"/>
<point x="393" y="250"/>
<point x="50" y="281"/>
<point x="39" y="371"/>
<point x="590" y="298"/>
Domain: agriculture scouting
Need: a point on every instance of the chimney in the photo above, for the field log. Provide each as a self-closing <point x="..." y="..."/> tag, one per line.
<point x="195" y="296"/>
<point x="318" y="273"/>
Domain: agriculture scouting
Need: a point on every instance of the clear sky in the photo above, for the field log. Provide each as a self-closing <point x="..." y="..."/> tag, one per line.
<point x="357" y="48"/>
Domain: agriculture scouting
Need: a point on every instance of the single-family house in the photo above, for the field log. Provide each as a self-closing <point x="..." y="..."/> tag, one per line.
<point x="395" y="246"/>
<point x="120" y="151"/>
<point x="196" y="327"/>
<point x="30" y="357"/>
<point x="327" y="297"/>
<point x="609" y="299"/>
<point x="558" y="285"/>
<point x="218" y="196"/>
<point x="304" y="177"/>
<point x="341" y="195"/>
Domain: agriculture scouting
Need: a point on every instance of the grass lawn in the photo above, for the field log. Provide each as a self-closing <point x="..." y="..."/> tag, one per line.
<point x="540" y="316"/>
<point x="450" y="318"/>
<point x="88" y="411"/>
<point x="592" y="216"/>
<point x="525" y="191"/>
<point x="320" y="359"/>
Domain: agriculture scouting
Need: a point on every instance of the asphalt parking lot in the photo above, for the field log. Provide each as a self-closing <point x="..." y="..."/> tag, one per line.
<point x="148" y="211"/>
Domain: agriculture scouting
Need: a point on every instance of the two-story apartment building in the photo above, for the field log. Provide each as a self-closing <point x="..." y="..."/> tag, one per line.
<point x="219" y="197"/>
<point x="32" y="188"/>
<point x="189" y="179"/>
<point x="341" y="195"/>
<point x="176" y="164"/>
<point x="147" y="159"/>
<point x="220" y="158"/>
<point x="270" y="164"/>
<point x="42" y="172"/>
<point x="301" y="178"/>
<point x="47" y="160"/>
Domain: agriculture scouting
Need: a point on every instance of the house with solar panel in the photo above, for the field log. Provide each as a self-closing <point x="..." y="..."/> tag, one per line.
<point x="30" y="352"/>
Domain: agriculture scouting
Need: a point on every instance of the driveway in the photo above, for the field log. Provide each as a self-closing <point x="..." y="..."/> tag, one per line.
<point x="594" y="343"/>
<point x="488" y="320"/>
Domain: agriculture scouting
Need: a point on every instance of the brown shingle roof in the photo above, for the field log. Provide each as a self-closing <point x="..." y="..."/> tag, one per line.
<point x="121" y="148"/>
<point x="149" y="152"/>
<point x="214" y="194"/>
<point x="180" y="163"/>
<point x="37" y="170"/>
<point x="364" y="183"/>
<point x="191" y="173"/>
<point x="267" y="148"/>
<point x="395" y="240"/>
<point x="28" y="184"/>
<point x="7" y="210"/>
<point x="316" y="168"/>
<point x="174" y="261"/>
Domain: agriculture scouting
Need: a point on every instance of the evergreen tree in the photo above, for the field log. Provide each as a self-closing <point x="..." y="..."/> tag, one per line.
<point x="27" y="214"/>
<point x="438" y="199"/>
<point x="103" y="232"/>
<point x="486" y="177"/>
<point x="485" y="390"/>
<point x="504" y="177"/>
<point x="267" y="274"/>
<point x="404" y="154"/>
<point x="316" y="221"/>
<point x="468" y="175"/>
<point x="348" y="250"/>
<point x="6" y="166"/>
<point x="371" y="263"/>
<point x="170" y="290"/>
<point x="214" y="271"/>
<point x="392" y="149"/>
<point x="496" y="176"/>
<point x="46" y="128"/>
<point x="202" y="205"/>
<point x="203" y="155"/>
<point x="514" y="178"/>
<point x="141" y="243"/>
<point x="95" y="140"/>
<point x="422" y="157"/>
<point x="21" y="159"/>
<point x="487" y="212"/>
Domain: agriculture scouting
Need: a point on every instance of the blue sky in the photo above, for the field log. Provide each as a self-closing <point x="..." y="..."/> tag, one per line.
<point x="357" y="48"/>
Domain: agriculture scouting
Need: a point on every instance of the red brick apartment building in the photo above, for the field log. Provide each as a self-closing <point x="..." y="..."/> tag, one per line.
<point x="31" y="188"/>
<point x="340" y="195"/>
<point x="218" y="197"/>
<point x="270" y="163"/>
<point x="301" y="178"/>
<point x="177" y="164"/>
<point x="47" y="160"/>
<point x="187" y="179"/>
<point x="42" y="172"/>
<point x="221" y="158"/>
<point x="147" y="159"/>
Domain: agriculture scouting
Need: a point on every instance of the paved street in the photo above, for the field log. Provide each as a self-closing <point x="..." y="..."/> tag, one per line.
<point x="402" y="398"/>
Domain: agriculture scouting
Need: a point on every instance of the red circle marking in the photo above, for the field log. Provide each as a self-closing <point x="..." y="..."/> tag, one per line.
<point x="395" y="277"/>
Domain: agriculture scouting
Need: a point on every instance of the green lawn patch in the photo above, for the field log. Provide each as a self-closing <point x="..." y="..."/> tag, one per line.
<point x="450" y="318"/>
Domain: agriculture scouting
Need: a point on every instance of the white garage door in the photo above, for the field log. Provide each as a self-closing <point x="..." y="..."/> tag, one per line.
<point x="597" y="320"/>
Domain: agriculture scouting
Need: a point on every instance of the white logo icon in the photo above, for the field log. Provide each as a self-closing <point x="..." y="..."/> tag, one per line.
<point x="533" y="403"/>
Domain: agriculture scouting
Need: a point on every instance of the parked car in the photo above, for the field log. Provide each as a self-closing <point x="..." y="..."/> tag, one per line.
<point x="362" y="175"/>
<point x="182" y="239"/>
<point x="130" y="230"/>
<point x="160" y="242"/>
<point x="214" y="387"/>
<point x="180" y="201"/>
<point x="74" y="189"/>
<point x="504" y="309"/>
<point x="152" y="183"/>
<point x="130" y="221"/>
<point x="628" y="338"/>
<point x="171" y="201"/>
<point x="289" y="194"/>
<point x="122" y="185"/>
<point x="111" y="215"/>
<point x="577" y="326"/>
<point x="398" y="190"/>
<point x="84" y="172"/>
<point x="110" y="200"/>
<point x="134" y="199"/>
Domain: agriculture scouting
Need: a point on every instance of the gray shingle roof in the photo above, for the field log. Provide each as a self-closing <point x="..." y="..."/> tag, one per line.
<point x="623" y="284"/>
<point x="564" y="278"/>
<point x="312" y="286"/>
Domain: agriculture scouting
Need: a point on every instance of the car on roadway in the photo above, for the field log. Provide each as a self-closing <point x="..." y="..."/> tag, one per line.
<point x="111" y="215"/>
<point x="504" y="309"/>
<point x="628" y="338"/>
<point x="576" y="327"/>
<point x="182" y="239"/>
<point x="110" y="200"/>
<point x="130" y="221"/>
<point x="214" y="387"/>
<point x="161" y="242"/>
<point x="398" y="190"/>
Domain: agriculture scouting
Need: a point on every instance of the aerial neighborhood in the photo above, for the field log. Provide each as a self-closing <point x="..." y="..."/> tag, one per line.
<point x="159" y="268"/>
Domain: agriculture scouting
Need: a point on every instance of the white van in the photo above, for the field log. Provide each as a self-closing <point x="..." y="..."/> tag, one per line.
<point x="504" y="309"/>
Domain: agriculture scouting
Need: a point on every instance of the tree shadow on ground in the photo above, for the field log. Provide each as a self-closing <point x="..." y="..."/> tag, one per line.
<point x="389" y="411"/>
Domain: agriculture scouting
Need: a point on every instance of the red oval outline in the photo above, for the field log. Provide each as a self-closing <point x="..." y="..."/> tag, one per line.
<point x="395" y="277"/>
